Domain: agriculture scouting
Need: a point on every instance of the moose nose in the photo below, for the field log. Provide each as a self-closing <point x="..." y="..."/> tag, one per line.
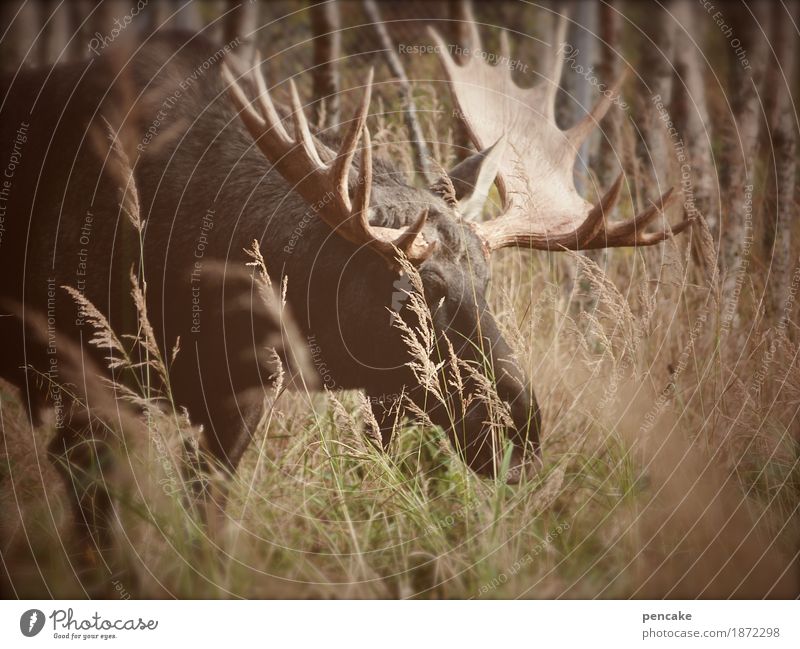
<point x="482" y="445"/>
<point x="518" y="397"/>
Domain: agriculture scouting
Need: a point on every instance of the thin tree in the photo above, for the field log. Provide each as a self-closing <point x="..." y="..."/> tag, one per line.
<point x="20" y="26"/>
<point x="326" y="27"/>
<point x="608" y="70"/>
<point x="159" y="14"/>
<point x="784" y="146"/>
<point x="190" y="17"/>
<point x="418" y="144"/>
<point x="657" y="72"/>
<point x="459" y="13"/>
<point x="55" y="32"/>
<point x="240" y="25"/>
<point x="742" y="146"/>
<point x="581" y="93"/>
<point x="690" y="113"/>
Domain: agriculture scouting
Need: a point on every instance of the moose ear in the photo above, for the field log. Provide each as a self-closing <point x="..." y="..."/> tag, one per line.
<point x="472" y="179"/>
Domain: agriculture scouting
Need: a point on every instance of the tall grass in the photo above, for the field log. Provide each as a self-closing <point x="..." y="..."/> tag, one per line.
<point x="670" y="457"/>
<point x="670" y="468"/>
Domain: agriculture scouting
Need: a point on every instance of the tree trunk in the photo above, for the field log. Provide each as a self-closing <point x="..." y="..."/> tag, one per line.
<point x="240" y="24"/>
<point x="779" y="32"/>
<point x="189" y="16"/>
<point x="56" y="33"/>
<point x="581" y="92"/>
<point x="158" y="15"/>
<point x="78" y="29"/>
<point x="784" y="145"/>
<point x="459" y="35"/>
<point x="741" y="149"/>
<point x="656" y="68"/>
<point x="418" y="144"/>
<point x="326" y="27"/>
<point x="607" y="163"/>
<point x="19" y="46"/>
<point x="698" y="174"/>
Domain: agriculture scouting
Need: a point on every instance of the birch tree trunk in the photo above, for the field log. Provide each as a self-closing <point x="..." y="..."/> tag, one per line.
<point x="241" y="23"/>
<point x="459" y="30"/>
<point x="656" y="70"/>
<point x="608" y="153"/>
<point x="698" y="174"/>
<point x="784" y="145"/>
<point x="581" y="90"/>
<point x="159" y="14"/>
<point x="417" y="139"/>
<point x="774" y="73"/>
<point x="19" y="47"/>
<point x="188" y="17"/>
<point x="326" y="28"/>
<point x="741" y="148"/>
<point x="57" y="33"/>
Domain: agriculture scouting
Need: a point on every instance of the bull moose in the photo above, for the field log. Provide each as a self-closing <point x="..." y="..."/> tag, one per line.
<point x="226" y="165"/>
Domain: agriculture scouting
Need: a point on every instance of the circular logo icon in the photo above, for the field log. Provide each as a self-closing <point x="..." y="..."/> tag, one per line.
<point x="31" y="622"/>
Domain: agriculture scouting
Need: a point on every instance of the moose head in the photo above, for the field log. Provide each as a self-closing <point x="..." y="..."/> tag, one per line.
<point x="438" y="233"/>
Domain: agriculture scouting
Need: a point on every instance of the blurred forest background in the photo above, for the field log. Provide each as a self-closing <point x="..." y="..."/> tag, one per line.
<point x="669" y="377"/>
<point x="726" y="72"/>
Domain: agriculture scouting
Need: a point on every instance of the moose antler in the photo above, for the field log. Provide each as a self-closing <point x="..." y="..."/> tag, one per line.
<point x="542" y="208"/>
<point x="322" y="176"/>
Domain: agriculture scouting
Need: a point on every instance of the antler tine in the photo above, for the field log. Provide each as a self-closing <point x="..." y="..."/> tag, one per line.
<point x="580" y="131"/>
<point x="410" y="239"/>
<point x="505" y="46"/>
<point x="558" y="67"/>
<point x="302" y="133"/>
<point x="253" y="121"/>
<point x="631" y="232"/>
<point x="594" y="224"/>
<point x="651" y="238"/>
<point x="383" y="238"/>
<point x="542" y="206"/>
<point x="320" y="175"/>
<point x="265" y="100"/>
<point x="343" y="161"/>
<point x="636" y="225"/>
<point x="474" y="34"/>
<point x="442" y="49"/>
<point x="364" y="186"/>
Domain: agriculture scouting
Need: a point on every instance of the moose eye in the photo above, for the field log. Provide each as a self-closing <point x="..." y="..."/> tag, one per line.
<point x="435" y="287"/>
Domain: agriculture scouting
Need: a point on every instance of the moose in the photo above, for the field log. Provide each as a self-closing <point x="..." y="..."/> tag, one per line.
<point x="230" y="165"/>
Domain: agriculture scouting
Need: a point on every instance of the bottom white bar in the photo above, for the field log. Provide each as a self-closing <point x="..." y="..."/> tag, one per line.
<point x="388" y="624"/>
